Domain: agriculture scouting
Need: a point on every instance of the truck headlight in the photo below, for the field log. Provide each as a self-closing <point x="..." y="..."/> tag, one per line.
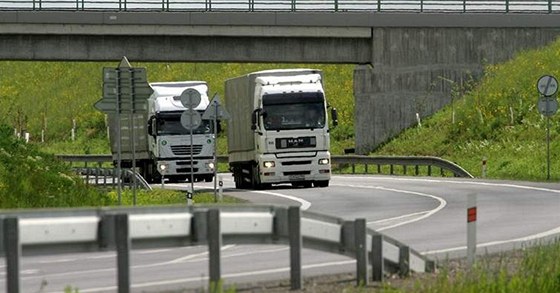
<point x="162" y="167"/>
<point x="323" y="161"/>
<point x="269" y="164"/>
<point x="210" y="165"/>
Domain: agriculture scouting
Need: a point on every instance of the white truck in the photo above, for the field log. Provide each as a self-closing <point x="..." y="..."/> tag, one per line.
<point x="278" y="131"/>
<point x="161" y="140"/>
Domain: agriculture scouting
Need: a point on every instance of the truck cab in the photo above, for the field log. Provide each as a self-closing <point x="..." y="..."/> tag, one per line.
<point x="170" y="142"/>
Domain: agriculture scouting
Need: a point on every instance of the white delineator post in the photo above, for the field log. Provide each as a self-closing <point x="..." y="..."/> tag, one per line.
<point x="471" y="229"/>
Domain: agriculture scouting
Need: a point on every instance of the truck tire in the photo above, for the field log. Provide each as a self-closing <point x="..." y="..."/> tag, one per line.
<point x="209" y="178"/>
<point x="322" y="183"/>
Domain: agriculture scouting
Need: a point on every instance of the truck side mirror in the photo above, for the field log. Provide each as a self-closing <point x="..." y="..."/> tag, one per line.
<point x="255" y="118"/>
<point x="334" y="115"/>
<point x="151" y="126"/>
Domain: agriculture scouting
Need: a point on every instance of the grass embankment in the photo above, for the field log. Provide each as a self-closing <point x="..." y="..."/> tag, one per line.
<point x="496" y="118"/>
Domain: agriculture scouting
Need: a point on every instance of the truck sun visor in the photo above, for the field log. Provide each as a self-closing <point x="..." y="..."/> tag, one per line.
<point x="292" y="98"/>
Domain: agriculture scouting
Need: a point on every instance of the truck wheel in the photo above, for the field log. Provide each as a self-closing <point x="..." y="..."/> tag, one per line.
<point x="238" y="178"/>
<point x="322" y="183"/>
<point x="209" y="178"/>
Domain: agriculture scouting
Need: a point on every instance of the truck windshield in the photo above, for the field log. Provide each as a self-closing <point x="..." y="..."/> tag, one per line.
<point x="171" y="125"/>
<point x="293" y="111"/>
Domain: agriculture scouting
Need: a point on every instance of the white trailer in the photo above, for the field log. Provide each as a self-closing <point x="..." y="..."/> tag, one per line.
<point x="278" y="131"/>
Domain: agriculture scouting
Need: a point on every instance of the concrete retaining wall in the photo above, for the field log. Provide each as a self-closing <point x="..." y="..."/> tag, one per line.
<point x="414" y="70"/>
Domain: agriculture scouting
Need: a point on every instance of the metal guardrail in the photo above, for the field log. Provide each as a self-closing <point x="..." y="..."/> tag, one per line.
<point x="462" y="6"/>
<point x="44" y="232"/>
<point x="430" y="164"/>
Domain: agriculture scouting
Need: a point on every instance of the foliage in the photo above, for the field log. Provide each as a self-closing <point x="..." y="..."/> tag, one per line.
<point x="534" y="270"/>
<point x="30" y="178"/>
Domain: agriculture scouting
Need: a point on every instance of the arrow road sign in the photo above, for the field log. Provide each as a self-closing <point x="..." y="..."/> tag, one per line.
<point x="126" y="86"/>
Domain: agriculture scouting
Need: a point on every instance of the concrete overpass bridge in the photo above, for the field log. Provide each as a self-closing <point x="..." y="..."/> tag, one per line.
<point x="407" y="59"/>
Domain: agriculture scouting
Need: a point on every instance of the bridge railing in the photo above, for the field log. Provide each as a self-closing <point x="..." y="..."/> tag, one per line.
<point x="463" y="6"/>
<point x="354" y="164"/>
<point x="46" y="232"/>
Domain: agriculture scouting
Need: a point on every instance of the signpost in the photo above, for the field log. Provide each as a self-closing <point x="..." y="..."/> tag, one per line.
<point x="547" y="86"/>
<point x="215" y="112"/>
<point x="190" y="119"/>
<point x="125" y="92"/>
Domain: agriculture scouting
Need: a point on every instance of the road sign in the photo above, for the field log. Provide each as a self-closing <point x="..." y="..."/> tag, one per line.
<point x="547" y="106"/>
<point x="190" y="98"/>
<point x="125" y="90"/>
<point x="190" y="119"/>
<point x="109" y="106"/>
<point x="547" y="85"/>
<point x="210" y="113"/>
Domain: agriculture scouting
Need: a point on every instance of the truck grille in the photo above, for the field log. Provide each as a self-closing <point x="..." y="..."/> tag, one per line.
<point x="291" y="163"/>
<point x="297" y="173"/>
<point x="185" y="150"/>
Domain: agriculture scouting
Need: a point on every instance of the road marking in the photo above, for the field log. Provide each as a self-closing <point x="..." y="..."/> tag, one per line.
<point x="232" y="275"/>
<point x="458" y="182"/>
<point x="304" y="203"/>
<point x="498" y="242"/>
<point x="551" y="232"/>
<point x="424" y="214"/>
<point x="57" y="260"/>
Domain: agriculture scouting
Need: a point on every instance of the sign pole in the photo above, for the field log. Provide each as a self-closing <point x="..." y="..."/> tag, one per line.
<point x="133" y="139"/>
<point x="547" y="146"/>
<point x="119" y="137"/>
<point x="215" y="148"/>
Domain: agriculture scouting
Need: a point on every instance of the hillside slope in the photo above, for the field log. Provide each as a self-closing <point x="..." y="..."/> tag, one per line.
<point x="496" y="119"/>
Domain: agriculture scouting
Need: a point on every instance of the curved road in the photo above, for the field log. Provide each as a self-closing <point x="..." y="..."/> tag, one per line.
<point x="429" y="214"/>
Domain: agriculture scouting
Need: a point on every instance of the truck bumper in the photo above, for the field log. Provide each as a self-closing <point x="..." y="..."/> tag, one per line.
<point x="294" y="167"/>
<point x="179" y="167"/>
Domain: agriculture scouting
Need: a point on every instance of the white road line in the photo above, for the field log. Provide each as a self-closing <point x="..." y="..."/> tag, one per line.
<point x="175" y="261"/>
<point x="551" y="232"/>
<point x="499" y="242"/>
<point x="304" y="203"/>
<point x="425" y="214"/>
<point x="458" y="182"/>
<point x="61" y="260"/>
<point x="232" y="275"/>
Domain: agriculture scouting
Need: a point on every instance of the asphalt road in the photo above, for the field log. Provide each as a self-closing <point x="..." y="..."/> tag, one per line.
<point x="429" y="214"/>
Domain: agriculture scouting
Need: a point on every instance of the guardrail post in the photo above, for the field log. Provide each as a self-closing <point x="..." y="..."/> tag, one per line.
<point x="214" y="250"/>
<point x="404" y="261"/>
<point x="123" y="252"/>
<point x="294" y="234"/>
<point x="360" y="236"/>
<point x="12" y="251"/>
<point x="377" y="264"/>
<point x="429" y="170"/>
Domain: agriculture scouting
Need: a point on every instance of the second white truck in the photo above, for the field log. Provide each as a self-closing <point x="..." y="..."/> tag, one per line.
<point x="278" y="131"/>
